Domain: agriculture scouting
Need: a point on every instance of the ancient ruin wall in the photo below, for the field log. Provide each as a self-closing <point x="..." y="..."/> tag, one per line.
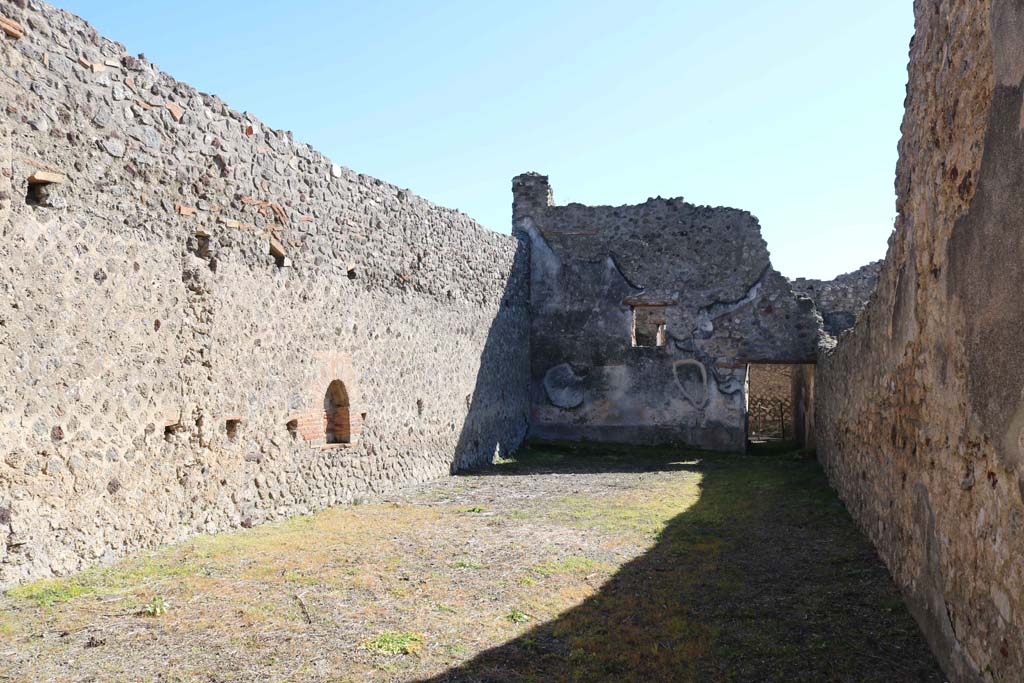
<point x="180" y="286"/>
<point x="919" y="407"/>
<point x="700" y="273"/>
<point x="841" y="299"/>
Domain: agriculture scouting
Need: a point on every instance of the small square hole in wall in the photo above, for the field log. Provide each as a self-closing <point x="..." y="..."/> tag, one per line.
<point x="351" y="273"/>
<point x="37" y="194"/>
<point x="293" y="428"/>
<point x="232" y="427"/>
<point x="42" y="186"/>
<point x="169" y="432"/>
<point x="202" y="249"/>
<point x="277" y="251"/>
<point x="648" y="326"/>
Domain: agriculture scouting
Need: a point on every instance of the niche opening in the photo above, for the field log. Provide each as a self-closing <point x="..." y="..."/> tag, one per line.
<point x="232" y="426"/>
<point x="337" y="421"/>
<point x="648" y="326"/>
<point x="40" y="185"/>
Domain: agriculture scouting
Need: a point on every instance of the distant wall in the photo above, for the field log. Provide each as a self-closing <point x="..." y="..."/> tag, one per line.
<point x="173" y="312"/>
<point x="643" y="318"/>
<point x="841" y="299"/>
<point x="920" y="409"/>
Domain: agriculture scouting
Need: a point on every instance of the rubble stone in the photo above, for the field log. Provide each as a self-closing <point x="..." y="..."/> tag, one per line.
<point x="919" y="405"/>
<point x="161" y="375"/>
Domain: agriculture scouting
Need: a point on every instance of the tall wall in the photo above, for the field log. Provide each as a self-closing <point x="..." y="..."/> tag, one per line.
<point x="919" y="411"/>
<point x="173" y="311"/>
<point x="700" y="273"/>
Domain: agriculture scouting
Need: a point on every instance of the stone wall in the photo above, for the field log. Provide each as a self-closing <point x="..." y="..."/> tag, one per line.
<point x="180" y="285"/>
<point x="919" y="411"/>
<point x="841" y="299"/>
<point x="643" y="318"/>
<point x="803" y="393"/>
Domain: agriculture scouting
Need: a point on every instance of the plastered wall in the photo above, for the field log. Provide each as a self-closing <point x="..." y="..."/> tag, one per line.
<point x="702" y="272"/>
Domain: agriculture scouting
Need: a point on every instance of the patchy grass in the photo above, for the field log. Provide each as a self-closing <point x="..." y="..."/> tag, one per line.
<point x="562" y="563"/>
<point x="50" y="592"/>
<point x="568" y="565"/>
<point x="467" y="564"/>
<point x="396" y="643"/>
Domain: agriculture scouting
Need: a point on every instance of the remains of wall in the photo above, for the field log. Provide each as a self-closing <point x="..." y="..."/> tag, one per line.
<point x="643" y="318"/>
<point x="841" y="299"/>
<point x="205" y="324"/>
<point x="803" y="393"/>
<point x="920" y="408"/>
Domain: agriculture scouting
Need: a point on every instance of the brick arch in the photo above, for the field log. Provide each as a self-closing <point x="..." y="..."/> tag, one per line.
<point x="333" y="411"/>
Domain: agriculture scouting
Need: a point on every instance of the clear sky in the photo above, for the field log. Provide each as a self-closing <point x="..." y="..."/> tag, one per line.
<point x="789" y="109"/>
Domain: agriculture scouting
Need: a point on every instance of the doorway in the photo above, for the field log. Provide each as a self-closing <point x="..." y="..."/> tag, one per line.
<point x="780" y="405"/>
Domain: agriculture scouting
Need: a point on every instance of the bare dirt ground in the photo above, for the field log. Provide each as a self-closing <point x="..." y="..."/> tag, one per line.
<point x="566" y="564"/>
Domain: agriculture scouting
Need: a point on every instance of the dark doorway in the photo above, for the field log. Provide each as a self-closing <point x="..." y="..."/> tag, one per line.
<point x="337" y="421"/>
<point x="780" y="404"/>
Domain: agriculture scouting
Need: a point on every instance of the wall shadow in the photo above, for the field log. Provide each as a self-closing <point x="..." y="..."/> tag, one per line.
<point x="764" y="578"/>
<point x="587" y="457"/>
<point x="498" y="410"/>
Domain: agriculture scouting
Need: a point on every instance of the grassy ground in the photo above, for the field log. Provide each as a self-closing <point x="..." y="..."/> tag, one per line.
<point x="566" y="564"/>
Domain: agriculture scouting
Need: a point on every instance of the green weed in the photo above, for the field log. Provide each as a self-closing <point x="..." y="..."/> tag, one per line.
<point x="517" y="617"/>
<point x="395" y="643"/>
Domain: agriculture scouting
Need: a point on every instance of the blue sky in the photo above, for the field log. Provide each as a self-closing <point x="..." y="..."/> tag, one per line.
<point x="789" y="109"/>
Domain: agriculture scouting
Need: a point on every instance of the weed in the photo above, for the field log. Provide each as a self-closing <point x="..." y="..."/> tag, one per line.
<point x="395" y="643"/>
<point x="517" y="617"/>
<point x="475" y="508"/>
<point x="156" y="607"/>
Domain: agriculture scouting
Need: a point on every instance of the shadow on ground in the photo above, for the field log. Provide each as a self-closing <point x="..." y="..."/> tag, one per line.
<point x="764" y="578"/>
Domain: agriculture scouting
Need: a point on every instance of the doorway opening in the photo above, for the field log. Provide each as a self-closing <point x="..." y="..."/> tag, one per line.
<point x="780" y="405"/>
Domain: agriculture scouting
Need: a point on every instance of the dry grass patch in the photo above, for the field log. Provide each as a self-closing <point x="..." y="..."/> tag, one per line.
<point x="563" y="563"/>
